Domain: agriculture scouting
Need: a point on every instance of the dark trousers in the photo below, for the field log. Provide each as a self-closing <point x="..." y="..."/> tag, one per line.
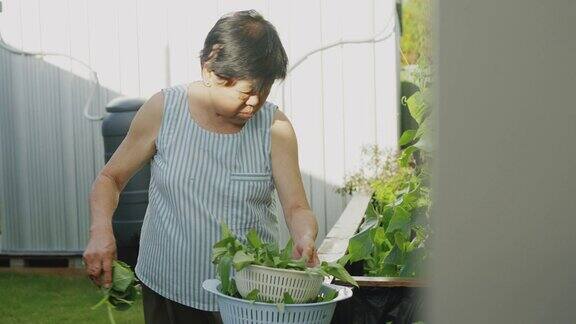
<point x="160" y="310"/>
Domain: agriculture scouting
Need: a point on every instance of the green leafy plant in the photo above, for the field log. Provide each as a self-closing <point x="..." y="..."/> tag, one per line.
<point x="230" y="253"/>
<point x="376" y="165"/>
<point x="415" y="41"/>
<point x="392" y="240"/>
<point x="123" y="292"/>
<point x="418" y="140"/>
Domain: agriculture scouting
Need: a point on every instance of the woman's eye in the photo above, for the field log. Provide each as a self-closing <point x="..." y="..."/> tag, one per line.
<point x="244" y="95"/>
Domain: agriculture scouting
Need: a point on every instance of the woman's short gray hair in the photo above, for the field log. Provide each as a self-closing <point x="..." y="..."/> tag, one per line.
<point x="243" y="45"/>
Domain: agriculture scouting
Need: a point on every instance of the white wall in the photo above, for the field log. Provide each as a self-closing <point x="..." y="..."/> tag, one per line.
<point x="338" y="100"/>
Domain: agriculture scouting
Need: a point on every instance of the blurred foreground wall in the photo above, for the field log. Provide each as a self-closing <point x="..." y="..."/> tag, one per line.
<point x="505" y="178"/>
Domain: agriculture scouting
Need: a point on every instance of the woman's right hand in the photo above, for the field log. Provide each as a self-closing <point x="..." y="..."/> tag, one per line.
<point x="99" y="255"/>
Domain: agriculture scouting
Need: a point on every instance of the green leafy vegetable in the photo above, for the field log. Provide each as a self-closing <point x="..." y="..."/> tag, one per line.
<point x="123" y="291"/>
<point x="337" y="270"/>
<point x="241" y="260"/>
<point x="392" y="240"/>
<point x="230" y="252"/>
<point x="224" y="266"/>
<point x="360" y="245"/>
<point x="287" y="298"/>
<point x="407" y="137"/>
<point x="254" y="239"/>
<point x="330" y="295"/>
<point x="253" y="295"/>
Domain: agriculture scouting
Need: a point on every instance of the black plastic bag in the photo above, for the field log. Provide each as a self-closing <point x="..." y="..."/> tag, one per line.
<point x="380" y="305"/>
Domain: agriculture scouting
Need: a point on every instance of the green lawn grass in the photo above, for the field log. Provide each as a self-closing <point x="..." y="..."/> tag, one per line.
<point x="45" y="298"/>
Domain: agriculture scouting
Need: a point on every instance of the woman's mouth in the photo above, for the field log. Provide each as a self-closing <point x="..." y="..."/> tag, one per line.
<point x="244" y="115"/>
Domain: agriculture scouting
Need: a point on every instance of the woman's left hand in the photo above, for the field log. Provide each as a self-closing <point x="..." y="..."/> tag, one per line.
<point x="305" y="247"/>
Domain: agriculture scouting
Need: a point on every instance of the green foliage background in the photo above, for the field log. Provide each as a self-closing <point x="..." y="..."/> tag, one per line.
<point x="415" y="42"/>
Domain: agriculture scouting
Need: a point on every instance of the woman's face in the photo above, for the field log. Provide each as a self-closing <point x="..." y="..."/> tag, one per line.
<point x="236" y="100"/>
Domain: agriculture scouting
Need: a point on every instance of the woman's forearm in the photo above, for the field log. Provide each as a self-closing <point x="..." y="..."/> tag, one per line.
<point x="302" y="223"/>
<point x="103" y="201"/>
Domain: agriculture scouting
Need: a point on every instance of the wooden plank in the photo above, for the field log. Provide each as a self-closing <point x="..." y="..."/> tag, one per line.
<point x="351" y="217"/>
<point x="387" y="282"/>
<point x="336" y="242"/>
<point x="333" y="245"/>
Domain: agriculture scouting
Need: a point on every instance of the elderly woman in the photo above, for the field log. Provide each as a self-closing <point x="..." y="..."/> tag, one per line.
<point x="218" y="149"/>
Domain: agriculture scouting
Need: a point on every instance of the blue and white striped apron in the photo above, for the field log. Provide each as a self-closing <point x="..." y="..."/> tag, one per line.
<point x="199" y="178"/>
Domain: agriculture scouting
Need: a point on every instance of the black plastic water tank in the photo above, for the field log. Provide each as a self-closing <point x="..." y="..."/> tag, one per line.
<point x="129" y="214"/>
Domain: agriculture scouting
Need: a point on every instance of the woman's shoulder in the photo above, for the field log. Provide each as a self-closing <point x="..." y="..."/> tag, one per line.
<point x="155" y="104"/>
<point x="177" y="88"/>
<point x="171" y="96"/>
<point x="281" y="126"/>
<point x="277" y="114"/>
<point x="269" y="110"/>
<point x="152" y="110"/>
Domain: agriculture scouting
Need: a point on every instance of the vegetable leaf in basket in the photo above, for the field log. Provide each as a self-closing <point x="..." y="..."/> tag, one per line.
<point x="253" y="295"/>
<point x="224" y="273"/>
<point x="286" y="253"/>
<point x="328" y="296"/>
<point x="287" y="298"/>
<point x="241" y="260"/>
<point x="230" y="252"/>
<point x="253" y="239"/>
<point x="338" y="271"/>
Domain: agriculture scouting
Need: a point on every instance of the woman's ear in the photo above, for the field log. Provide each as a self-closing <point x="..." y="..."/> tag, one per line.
<point x="207" y="76"/>
<point x="210" y="78"/>
<point x="218" y="79"/>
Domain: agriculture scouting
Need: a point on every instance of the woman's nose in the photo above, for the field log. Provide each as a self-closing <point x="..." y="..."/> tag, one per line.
<point x="252" y="101"/>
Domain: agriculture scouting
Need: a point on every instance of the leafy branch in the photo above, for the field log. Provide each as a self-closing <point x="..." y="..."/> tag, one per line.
<point x="123" y="292"/>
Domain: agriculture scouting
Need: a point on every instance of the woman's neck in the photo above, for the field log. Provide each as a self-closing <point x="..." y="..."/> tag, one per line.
<point x="203" y="111"/>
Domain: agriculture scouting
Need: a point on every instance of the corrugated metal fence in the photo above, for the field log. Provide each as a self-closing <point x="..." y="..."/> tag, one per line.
<point x="338" y="99"/>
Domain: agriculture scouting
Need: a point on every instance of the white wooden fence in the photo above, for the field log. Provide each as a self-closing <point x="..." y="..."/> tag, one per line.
<point x="338" y="99"/>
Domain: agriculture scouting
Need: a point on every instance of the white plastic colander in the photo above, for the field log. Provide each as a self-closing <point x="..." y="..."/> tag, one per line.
<point x="272" y="283"/>
<point x="239" y="311"/>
